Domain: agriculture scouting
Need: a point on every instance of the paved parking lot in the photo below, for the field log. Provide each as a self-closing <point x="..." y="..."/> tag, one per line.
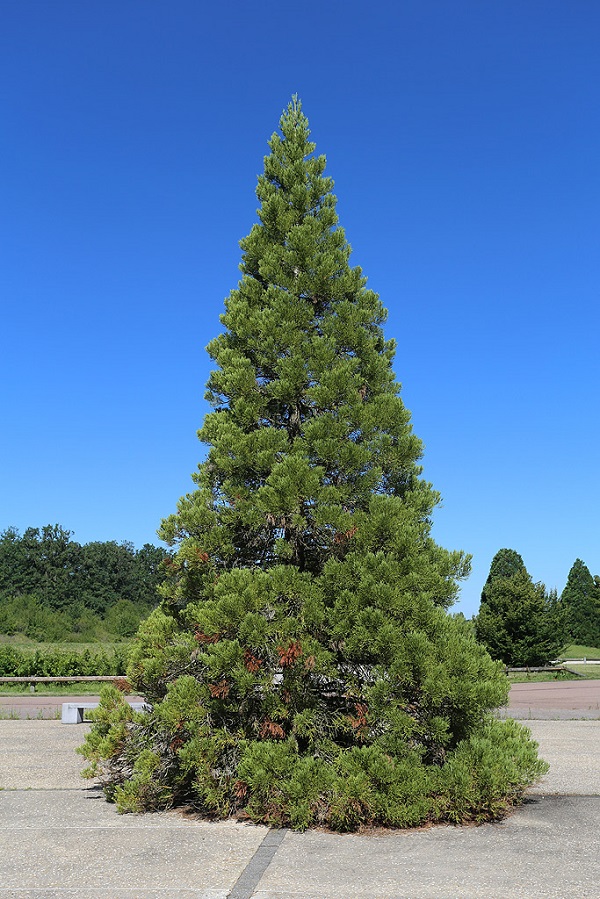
<point x="59" y="838"/>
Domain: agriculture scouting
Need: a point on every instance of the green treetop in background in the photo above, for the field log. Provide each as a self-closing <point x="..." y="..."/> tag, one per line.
<point x="518" y="621"/>
<point x="506" y="563"/>
<point x="581" y="600"/>
<point x="303" y="669"/>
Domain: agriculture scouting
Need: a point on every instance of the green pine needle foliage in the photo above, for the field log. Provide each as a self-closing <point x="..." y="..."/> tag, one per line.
<point x="303" y="669"/>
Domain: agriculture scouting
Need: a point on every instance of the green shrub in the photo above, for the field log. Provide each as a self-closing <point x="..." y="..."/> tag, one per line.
<point x="27" y="616"/>
<point x="60" y="663"/>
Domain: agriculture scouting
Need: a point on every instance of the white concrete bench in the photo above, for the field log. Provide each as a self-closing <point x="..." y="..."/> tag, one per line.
<point x="74" y="712"/>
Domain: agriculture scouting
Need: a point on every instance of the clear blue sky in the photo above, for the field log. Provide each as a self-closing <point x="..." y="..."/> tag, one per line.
<point x="464" y="140"/>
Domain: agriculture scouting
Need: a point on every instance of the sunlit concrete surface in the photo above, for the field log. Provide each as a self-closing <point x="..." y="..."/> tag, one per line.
<point x="59" y="838"/>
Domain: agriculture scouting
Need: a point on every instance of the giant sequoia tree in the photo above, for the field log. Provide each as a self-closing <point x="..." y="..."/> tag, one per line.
<point x="303" y="668"/>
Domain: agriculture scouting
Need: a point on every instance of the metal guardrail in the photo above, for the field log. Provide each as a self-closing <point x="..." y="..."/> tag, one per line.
<point x="541" y="669"/>
<point x="583" y="661"/>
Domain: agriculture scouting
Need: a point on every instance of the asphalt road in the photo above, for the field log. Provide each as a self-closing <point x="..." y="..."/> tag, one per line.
<point x="573" y="694"/>
<point x="555" y="699"/>
<point x="526" y="700"/>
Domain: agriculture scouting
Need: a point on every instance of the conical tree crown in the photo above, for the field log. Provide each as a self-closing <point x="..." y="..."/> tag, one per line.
<point x="303" y="668"/>
<point x="506" y="563"/>
<point x="309" y="434"/>
<point x="581" y="603"/>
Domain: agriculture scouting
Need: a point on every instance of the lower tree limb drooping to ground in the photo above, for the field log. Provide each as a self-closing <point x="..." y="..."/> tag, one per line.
<point x="303" y="669"/>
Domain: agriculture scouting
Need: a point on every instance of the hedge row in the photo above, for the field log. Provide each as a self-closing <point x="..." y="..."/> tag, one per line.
<point x="60" y="663"/>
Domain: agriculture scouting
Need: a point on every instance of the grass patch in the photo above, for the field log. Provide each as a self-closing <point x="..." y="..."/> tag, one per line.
<point x="75" y="688"/>
<point x="541" y="677"/>
<point x="589" y="672"/>
<point x="41" y="715"/>
<point x="575" y="651"/>
<point x="18" y="641"/>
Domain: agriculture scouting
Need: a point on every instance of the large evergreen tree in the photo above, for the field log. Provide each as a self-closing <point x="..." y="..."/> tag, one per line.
<point x="581" y="600"/>
<point x="303" y="669"/>
<point x="518" y="622"/>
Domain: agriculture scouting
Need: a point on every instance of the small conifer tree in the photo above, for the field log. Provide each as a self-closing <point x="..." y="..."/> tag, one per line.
<point x="519" y="622"/>
<point x="303" y="669"/>
<point x="581" y="601"/>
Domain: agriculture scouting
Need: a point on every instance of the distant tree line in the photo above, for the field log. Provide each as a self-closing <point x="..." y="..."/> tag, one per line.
<point x="524" y="624"/>
<point x="54" y="588"/>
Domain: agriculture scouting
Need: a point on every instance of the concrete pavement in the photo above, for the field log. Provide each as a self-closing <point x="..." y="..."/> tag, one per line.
<point x="34" y="705"/>
<point x="59" y="838"/>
